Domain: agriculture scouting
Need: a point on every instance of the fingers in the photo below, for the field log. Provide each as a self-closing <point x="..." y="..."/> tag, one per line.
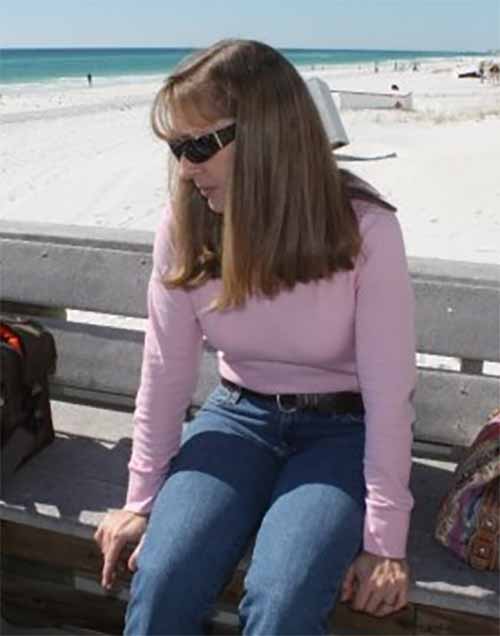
<point x="132" y="562"/>
<point x="102" y="535"/>
<point x="110" y="559"/>
<point x="365" y="597"/>
<point x="116" y="530"/>
<point x="387" y="606"/>
<point x="98" y="534"/>
<point x="395" y="599"/>
<point x="348" y="585"/>
<point x="376" y="597"/>
<point x="382" y="591"/>
<point x="379" y="602"/>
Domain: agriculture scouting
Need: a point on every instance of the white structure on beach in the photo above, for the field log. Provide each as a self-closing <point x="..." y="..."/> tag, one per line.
<point x="356" y="100"/>
<point x="329" y="114"/>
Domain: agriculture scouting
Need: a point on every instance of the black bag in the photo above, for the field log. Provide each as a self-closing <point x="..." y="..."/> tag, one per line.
<point x="27" y="358"/>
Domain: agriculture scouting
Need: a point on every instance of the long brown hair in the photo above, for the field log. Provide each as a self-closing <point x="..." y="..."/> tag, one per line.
<point x="288" y="216"/>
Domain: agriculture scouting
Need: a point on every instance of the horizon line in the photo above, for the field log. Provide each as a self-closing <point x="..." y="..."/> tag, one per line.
<point x="290" y="48"/>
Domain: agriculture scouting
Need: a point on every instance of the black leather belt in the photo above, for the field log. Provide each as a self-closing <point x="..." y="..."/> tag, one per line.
<point x="341" y="402"/>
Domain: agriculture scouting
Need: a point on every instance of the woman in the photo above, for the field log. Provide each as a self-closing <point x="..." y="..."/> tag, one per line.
<point x="296" y="273"/>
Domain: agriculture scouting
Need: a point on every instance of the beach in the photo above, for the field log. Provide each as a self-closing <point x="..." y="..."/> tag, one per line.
<point x="86" y="155"/>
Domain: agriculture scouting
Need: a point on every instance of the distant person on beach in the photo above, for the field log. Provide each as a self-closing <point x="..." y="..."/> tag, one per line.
<point x="89" y="79"/>
<point x="494" y="71"/>
<point x="295" y="271"/>
<point x="482" y="70"/>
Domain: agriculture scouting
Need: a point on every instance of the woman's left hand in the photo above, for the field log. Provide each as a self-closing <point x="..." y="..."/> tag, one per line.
<point x="376" y="585"/>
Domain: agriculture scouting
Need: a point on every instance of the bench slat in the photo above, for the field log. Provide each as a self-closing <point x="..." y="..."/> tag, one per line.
<point x="78" y="235"/>
<point x="88" y="278"/>
<point x="451" y="407"/>
<point x="96" y="358"/>
<point x="100" y="365"/>
<point x="458" y="321"/>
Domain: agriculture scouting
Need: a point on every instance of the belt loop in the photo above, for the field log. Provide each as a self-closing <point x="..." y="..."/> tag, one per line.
<point x="284" y="409"/>
<point x="235" y="391"/>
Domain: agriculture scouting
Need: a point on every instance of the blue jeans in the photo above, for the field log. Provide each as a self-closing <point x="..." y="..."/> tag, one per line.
<point x="244" y="467"/>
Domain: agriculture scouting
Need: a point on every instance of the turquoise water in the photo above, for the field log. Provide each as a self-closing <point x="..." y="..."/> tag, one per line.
<point x="47" y="65"/>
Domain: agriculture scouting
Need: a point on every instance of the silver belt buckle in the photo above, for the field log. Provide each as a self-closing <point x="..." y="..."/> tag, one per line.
<point x="282" y="408"/>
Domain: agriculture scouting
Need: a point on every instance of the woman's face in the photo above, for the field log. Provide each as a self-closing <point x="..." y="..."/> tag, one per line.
<point x="210" y="177"/>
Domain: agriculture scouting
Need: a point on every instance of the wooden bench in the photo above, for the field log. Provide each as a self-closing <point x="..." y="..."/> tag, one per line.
<point x="50" y="507"/>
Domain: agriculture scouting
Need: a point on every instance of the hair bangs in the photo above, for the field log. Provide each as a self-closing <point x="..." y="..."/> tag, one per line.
<point x="194" y="97"/>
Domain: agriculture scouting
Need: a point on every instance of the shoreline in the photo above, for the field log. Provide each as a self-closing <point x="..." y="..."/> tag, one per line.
<point x="364" y="57"/>
<point x="108" y="80"/>
<point x="135" y="90"/>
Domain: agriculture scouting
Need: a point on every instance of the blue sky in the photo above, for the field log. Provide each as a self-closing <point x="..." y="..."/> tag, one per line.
<point x="375" y="24"/>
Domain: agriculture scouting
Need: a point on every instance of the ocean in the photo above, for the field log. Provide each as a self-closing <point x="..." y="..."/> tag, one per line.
<point x="49" y="65"/>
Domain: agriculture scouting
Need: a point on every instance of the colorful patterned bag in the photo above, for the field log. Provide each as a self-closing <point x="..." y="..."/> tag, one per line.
<point x="468" y="520"/>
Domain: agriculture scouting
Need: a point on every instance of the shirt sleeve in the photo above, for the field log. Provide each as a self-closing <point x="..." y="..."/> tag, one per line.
<point x="385" y="357"/>
<point x="172" y="353"/>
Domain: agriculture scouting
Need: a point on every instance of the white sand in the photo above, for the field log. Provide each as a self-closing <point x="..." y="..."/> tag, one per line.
<point x="77" y="155"/>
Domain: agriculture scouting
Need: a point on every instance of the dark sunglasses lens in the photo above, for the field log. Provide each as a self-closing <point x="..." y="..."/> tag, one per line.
<point x="177" y="148"/>
<point x="201" y="149"/>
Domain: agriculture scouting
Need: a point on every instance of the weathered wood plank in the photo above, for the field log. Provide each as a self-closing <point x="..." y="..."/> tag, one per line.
<point x="62" y="554"/>
<point x="457" y="307"/>
<point x="68" y="276"/>
<point x="42" y="603"/>
<point x="346" y="620"/>
<point x="451" y="407"/>
<point x="435" y="620"/>
<point x="97" y="358"/>
<point x="57" y="604"/>
<point x="458" y="320"/>
<point x="77" y="235"/>
<point x="100" y="365"/>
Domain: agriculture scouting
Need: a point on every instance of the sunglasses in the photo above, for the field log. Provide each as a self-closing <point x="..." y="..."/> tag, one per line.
<point x="203" y="148"/>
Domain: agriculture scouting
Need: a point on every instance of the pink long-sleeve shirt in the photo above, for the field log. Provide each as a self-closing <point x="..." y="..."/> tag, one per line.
<point x="354" y="332"/>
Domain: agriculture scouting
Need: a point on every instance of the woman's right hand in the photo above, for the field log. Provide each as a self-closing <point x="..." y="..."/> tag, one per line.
<point x="118" y="528"/>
